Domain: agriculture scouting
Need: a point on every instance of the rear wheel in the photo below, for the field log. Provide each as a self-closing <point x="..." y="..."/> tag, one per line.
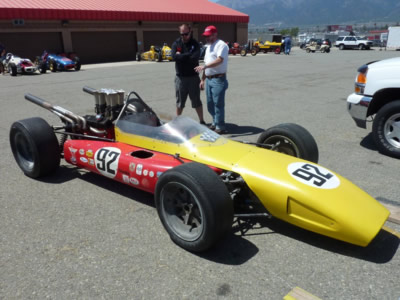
<point x="327" y="50"/>
<point x="12" y="69"/>
<point x="53" y="66"/>
<point x="386" y="129"/>
<point x="253" y="52"/>
<point x="308" y="50"/>
<point x="78" y="64"/>
<point x="277" y="50"/>
<point x="194" y="206"/>
<point x="291" y="139"/>
<point x="35" y="147"/>
<point x="341" y="47"/>
<point x="243" y="52"/>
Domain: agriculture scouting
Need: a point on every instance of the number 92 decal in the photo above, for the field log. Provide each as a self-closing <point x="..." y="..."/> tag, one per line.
<point x="313" y="175"/>
<point x="106" y="161"/>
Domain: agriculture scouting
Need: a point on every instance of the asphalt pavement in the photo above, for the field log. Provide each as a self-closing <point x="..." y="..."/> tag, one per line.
<point x="77" y="235"/>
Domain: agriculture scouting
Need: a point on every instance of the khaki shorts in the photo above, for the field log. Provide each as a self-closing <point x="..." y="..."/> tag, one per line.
<point x="185" y="86"/>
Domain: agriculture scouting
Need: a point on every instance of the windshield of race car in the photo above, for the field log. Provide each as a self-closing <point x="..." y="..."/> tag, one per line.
<point x="178" y="131"/>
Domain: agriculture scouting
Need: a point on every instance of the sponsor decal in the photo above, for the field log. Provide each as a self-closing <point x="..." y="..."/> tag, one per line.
<point x="89" y="153"/>
<point x="313" y="175"/>
<point x="132" y="167"/>
<point x="145" y="172"/>
<point x="151" y="174"/>
<point x="106" y="161"/>
<point x="91" y="161"/>
<point x="134" y="181"/>
<point x="159" y="174"/>
<point x="125" y="178"/>
<point x="81" y="151"/>
<point x="73" y="152"/>
<point x="83" y="159"/>
<point x="139" y="169"/>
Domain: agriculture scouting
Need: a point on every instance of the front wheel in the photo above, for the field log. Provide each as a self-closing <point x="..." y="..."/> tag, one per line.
<point x="78" y="64"/>
<point x="386" y="129"/>
<point x="327" y="50"/>
<point x="341" y="47"/>
<point x="53" y="66"/>
<point x="12" y="69"/>
<point x="308" y="50"/>
<point x="290" y="139"/>
<point x="194" y="206"/>
<point x="35" y="147"/>
<point x="243" y="52"/>
<point x="253" y="52"/>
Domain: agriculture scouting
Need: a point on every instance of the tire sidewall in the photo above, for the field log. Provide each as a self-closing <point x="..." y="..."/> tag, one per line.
<point x="378" y="127"/>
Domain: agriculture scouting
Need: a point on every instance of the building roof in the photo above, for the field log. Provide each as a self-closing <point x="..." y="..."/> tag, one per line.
<point x="120" y="10"/>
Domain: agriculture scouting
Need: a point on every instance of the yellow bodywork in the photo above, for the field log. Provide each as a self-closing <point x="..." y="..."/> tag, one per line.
<point x="344" y="212"/>
<point x="267" y="45"/>
<point x="153" y="54"/>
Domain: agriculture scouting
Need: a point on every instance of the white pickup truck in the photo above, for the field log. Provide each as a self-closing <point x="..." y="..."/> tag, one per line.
<point x="353" y="42"/>
<point x="377" y="95"/>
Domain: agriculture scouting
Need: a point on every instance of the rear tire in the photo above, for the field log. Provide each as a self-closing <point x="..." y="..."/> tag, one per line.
<point x="53" y="66"/>
<point x="78" y="64"/>
<point x="253" y="52"/>
<point x="35" y="147"/>
<point x="12" y="69"/>
<point x="341" y="47"/>
<point x="194" y="206"/>
<point x="386" y="129"/>
<point x="308" y="50"/>
<point x="243" y="52"/>
<point x="291" y="139"/>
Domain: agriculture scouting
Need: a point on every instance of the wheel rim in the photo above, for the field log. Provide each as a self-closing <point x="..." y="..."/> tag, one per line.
<point x="51" y="67"/>
<point x="24" y="150"/>
<point x="282" y="144"/>
<point x="392" y="130"/>
<point x="181" y="211"/>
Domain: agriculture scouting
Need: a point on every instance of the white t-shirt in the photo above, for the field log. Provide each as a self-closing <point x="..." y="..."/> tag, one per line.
<point x="213" y="51"/>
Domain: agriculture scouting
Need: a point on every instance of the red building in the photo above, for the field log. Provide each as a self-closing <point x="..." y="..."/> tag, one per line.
<point x="100" y="30"/>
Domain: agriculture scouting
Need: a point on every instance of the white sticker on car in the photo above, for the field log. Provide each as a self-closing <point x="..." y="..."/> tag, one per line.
<point x="134" y="181"/>
<point x="139" y="169"/>
<point x="313" y="175"/>
<point x="125" y="178"/>
<point x="106" y="160"/>
<point x="84" y="160"/>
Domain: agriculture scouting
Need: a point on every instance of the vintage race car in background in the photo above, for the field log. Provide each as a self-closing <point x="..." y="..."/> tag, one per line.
<point x="16" y="65"/>
<point x="201" y="180"/>
<point x="59" y="62"/>
<point x="156" y="54"/>
<point x="313" y="47"/>
<point x="260" y="46"/>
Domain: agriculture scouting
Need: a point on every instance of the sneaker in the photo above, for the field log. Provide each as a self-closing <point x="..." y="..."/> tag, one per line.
<point x="211" y="126"/>
<point x="220" y="131"/>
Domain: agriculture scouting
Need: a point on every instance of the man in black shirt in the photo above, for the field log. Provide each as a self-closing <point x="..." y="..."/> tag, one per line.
<point x="186" y="53"/>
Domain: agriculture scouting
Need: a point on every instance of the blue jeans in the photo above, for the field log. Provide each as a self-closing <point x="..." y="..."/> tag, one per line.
<point x="215" y="91"/>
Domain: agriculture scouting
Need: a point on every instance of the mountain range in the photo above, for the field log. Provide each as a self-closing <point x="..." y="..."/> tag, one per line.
<point x="312" y="12"/>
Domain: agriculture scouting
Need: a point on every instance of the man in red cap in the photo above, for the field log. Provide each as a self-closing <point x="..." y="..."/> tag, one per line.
<point x="214" y="77"/>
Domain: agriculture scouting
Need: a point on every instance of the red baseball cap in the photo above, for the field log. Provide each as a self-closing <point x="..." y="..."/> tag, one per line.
<point x="209" y="30"/>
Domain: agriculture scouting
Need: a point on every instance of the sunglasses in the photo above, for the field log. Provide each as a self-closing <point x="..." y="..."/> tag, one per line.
<point x="185" y="34"/>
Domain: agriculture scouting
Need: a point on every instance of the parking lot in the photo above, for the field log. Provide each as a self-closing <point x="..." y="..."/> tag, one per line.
<point x="78" y="235"/>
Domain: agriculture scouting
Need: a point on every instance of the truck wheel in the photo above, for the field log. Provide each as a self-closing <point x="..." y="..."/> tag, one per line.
<point x="12" y="69"/>
<point x="361" y="47"/>
<point x="253" y="52"/>
<point x="290" y="139"/>
<point x="194" y="206"/>
<point x="341" y="47"/>
<point x="35" y="147"/>
<point x="243" y="52"/>
<point x="386" y="129"/>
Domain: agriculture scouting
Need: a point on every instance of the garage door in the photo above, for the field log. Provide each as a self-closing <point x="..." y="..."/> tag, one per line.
<point x="104" y="46"/>
<point x="158" y="38"/>
<point x="31" y="44"/>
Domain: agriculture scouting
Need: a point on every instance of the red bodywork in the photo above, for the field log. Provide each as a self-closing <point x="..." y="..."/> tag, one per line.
<point x="235" y="49"/>
<point x="134" y="166"/>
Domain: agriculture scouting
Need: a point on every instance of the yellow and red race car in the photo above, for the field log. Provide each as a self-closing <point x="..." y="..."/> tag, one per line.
<point x="156" y="54"/>
<point x="201" y="180"/>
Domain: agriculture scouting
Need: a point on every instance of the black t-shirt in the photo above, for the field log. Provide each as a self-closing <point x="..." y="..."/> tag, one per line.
<point x="188" y="59"/>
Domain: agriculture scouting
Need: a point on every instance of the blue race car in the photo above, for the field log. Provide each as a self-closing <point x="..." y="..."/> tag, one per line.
<point x="59" y="62"/>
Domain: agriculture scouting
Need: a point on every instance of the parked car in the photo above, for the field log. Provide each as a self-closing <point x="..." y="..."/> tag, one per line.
<point x="59" y="62"/>
<point x="200" y="180"/>
<point x="377" y="94"/>
<point x="14" y="65"/>
<point x="234" y="48"/>
<point x="265" y="47"/>
<point x="353" y="42"/>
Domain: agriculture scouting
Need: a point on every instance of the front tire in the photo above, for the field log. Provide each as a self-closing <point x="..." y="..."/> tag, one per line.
<point x="53" y="66"/>
<point x="35" y="147"/>
<point x="341" y="47"/>
<point x="194" y="206"/>
<point x="386" y="129"/>
<point x="291" y="139"/>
